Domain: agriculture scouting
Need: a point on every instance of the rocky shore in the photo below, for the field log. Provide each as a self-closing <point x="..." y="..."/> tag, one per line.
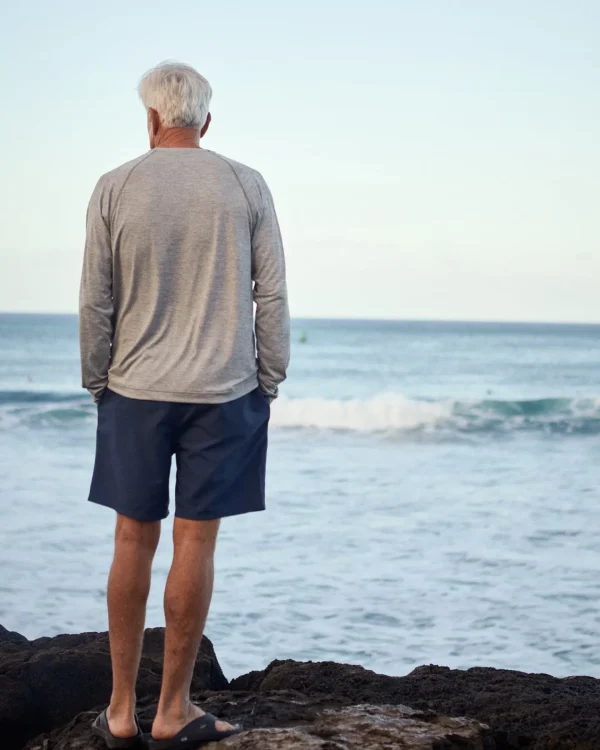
<point x="51" y="688"/>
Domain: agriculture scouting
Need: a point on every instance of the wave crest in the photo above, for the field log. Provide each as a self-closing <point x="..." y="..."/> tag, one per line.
<point x="389" y="413"/>
<point x="386" y="413"/>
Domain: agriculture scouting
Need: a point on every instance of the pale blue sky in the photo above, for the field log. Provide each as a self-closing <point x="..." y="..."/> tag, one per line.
<point x="429" y="159"/>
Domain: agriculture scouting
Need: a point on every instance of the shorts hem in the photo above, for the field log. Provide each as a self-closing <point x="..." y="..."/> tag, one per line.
<point x="217" y="515"/>
<point x="127" y="513"/>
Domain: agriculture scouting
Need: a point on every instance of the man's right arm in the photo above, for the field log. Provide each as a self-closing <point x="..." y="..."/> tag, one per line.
<point x="270" y="295"/>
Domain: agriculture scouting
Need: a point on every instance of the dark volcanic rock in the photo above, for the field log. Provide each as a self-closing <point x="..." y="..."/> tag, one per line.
<point x="326" y="706"/>
<point x="9" y="636"/>
<point x="525" y="710"/>
<point x="47" y="682"/>
<point x="289" y="721"/>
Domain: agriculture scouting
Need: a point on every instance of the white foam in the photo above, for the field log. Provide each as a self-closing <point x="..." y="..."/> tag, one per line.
<point x="385" y="412"/>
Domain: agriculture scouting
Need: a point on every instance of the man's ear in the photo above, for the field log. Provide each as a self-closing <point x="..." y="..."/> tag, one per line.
<point x="153" y="122"/>
<point x="206" y="125"/>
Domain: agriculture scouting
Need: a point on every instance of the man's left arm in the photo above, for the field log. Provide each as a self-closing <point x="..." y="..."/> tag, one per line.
<point x="96" y="297"/>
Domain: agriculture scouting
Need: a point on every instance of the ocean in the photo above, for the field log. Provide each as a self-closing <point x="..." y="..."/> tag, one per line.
<point x="432" y="498"/>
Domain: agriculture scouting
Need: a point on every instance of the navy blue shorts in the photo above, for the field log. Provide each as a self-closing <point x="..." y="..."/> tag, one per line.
<point x="220" y="451"/>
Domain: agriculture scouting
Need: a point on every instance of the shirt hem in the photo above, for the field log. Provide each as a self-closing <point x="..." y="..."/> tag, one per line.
<point x="185" y="397"/>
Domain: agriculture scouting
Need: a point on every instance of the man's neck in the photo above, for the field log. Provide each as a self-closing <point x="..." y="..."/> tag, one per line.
<point x="178" y="138"/>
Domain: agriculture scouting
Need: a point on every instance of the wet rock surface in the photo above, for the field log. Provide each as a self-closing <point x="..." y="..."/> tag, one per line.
<point x="524" y="710"/>
<point x="51" y="689"/>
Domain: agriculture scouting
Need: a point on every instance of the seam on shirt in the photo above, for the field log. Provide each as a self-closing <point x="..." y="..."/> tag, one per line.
<point x="131" y="171"/>
<point x="237" y="177"/>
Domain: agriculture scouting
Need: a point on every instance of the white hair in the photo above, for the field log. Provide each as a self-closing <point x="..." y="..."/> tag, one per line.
<point x="179" y="94"/>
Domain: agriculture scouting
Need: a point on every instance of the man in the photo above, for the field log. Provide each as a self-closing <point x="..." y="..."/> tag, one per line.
<point x="180" y="244"/>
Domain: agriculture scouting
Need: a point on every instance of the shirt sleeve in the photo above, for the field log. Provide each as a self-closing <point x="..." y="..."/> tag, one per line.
<point x="270" y="296"/>
<point x="96" y="297"/>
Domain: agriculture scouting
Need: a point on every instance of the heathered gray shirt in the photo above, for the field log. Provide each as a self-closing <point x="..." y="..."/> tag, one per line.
<point x="180" y="243"/>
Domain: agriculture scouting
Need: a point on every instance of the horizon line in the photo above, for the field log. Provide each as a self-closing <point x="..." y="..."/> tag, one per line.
<point x="342" y="319"/>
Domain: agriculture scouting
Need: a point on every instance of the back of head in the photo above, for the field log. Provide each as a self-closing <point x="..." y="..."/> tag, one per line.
<point x="178" y="93"/>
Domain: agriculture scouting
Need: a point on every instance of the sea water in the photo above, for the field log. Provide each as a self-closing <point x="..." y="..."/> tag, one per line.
<point x="432" y="498"/>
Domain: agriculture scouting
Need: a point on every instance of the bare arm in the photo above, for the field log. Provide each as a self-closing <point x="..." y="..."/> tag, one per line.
<point x="95" y="298"/>
<point x="270" y="295"/>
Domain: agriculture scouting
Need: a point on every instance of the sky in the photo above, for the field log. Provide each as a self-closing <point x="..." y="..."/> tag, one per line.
<point x="430" y="159"/>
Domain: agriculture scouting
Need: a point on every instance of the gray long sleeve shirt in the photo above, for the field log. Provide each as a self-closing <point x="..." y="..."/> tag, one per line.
<point x="180" y="243"/>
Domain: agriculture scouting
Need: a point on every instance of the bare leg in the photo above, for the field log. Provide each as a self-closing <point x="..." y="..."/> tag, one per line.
<point x="187" y="600"/>
<point x="128" y="588"/>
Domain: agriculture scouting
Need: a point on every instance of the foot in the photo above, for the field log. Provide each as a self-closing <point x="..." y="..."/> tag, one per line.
<point x="121" y="724"/>
<point x="166" y="727"/>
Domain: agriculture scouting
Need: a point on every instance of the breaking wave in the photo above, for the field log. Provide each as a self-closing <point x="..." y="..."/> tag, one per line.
<point x="396" y="414"/>
<point x="385" y="413"/>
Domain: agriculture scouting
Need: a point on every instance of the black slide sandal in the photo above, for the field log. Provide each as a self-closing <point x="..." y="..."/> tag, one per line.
<point x="200" y="730"/>
<point x="101" y="729"/>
